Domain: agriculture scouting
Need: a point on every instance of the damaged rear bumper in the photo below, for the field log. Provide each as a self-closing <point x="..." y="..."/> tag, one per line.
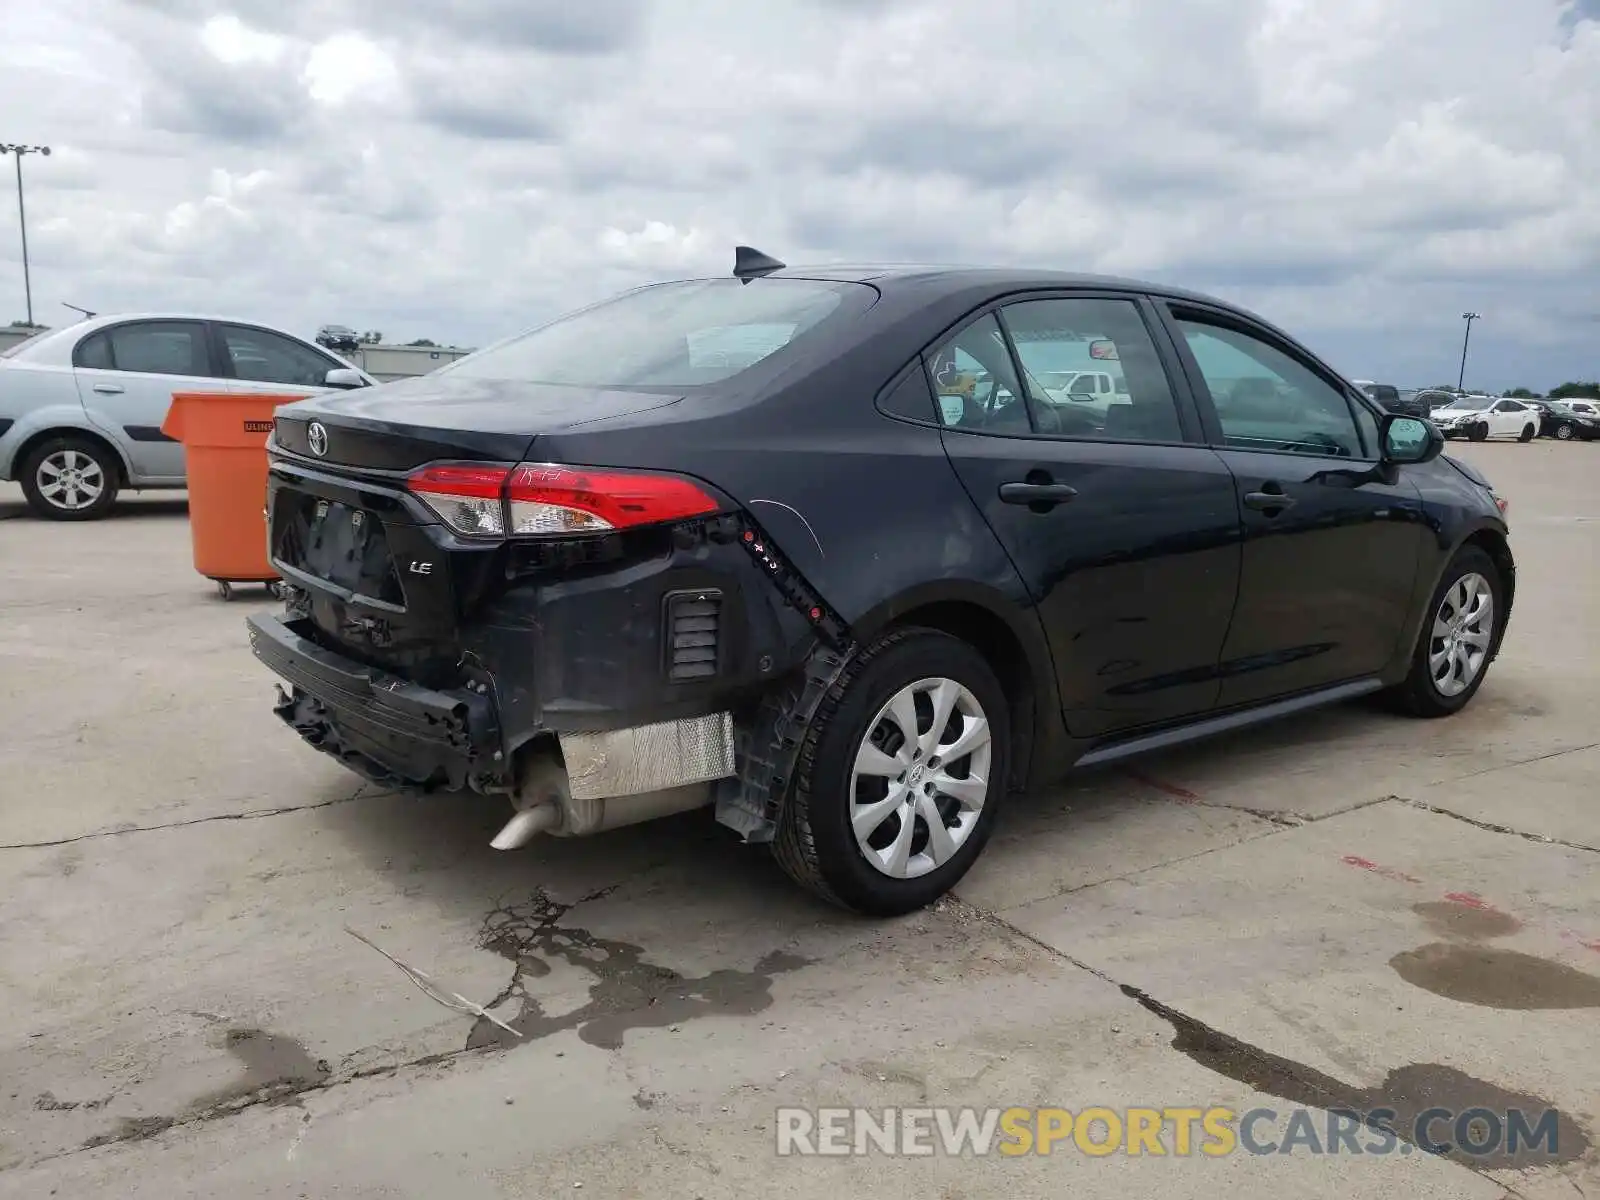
<point x="386" y="728"/>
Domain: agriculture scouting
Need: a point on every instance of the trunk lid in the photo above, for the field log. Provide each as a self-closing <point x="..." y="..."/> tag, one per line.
<point x="401" y="426"/>
<point x="385" y="580"/>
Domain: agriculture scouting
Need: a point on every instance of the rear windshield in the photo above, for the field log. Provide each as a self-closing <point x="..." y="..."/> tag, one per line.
<point x="25" y="342"/>
<point x="1383" y="393"/>
<point x="669" y="335"/>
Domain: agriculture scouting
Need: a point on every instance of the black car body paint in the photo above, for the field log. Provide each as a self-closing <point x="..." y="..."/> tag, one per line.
<point x="1156" y="598"/>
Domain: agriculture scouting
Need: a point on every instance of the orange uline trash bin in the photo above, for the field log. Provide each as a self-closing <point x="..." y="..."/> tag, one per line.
<point x="224" y="436"/>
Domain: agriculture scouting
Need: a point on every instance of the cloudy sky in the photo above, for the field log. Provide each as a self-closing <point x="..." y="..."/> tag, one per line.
<point x="1361" y="171"/>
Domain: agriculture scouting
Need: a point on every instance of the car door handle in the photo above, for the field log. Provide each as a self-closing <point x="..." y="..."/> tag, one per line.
<point x="1037" y="493"/>
<point x="109" y="389"/>
<point x="1268" y="501"/>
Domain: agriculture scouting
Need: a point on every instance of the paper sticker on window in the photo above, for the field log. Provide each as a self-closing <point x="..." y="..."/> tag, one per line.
<point x="1103" y="349"/>
<point x="952" y="408"/>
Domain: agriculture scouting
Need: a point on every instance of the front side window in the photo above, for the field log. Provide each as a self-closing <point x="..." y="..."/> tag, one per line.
<point x="670" y="335"/>
<point x="263" y="357"/>
<point x="1092" y="370"/>
<point x="975" y="384"/>
<point x="160" y="348"/>
<point x="1267" y="400"/>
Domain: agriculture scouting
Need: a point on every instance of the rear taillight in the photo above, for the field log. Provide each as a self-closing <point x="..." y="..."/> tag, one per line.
<point x="534" y="499"/>
<point x="469" y="499"/>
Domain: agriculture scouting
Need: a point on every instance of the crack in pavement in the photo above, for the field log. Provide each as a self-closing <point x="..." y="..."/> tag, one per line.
<point x="1405" y="1089"/>
<point x="255" y="814"/>
<point x="285" y="1093"/>
<point x="1491" y="827"/>
<point x="290" y="1092"/>
<point x="1523" y="762"/>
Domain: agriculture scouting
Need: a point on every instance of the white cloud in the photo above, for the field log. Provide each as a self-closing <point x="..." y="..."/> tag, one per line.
<point x="347" y="65"/>
<point x="231" y="41"/>
<point x="1361" y="171"/>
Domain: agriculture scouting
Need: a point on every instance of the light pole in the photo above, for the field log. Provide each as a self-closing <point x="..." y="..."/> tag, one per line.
<point x="22" y="213"/>
<point x="1469" y="318"/>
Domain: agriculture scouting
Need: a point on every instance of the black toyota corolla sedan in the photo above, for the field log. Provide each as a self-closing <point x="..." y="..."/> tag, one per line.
<point x="847" y="555"/>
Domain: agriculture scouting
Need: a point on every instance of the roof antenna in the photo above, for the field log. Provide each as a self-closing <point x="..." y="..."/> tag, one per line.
<point x="86" y="313"/>
<point x="749" y="263"/>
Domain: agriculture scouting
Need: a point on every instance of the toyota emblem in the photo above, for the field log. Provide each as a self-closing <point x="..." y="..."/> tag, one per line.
<point x="317" y="438"/>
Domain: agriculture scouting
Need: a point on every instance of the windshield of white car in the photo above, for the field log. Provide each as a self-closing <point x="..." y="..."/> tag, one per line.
<point x="1465" y="405"/>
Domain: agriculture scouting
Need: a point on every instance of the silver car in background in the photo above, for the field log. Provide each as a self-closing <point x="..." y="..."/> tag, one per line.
<point x="81" y="408"/>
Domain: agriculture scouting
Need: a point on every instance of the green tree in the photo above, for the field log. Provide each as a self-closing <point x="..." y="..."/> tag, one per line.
<point x="1521" y="393"/>
<point x="423" y="342"/>
<point x="1576" y="390"/>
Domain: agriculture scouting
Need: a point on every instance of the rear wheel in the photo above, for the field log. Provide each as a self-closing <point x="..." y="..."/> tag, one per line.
<point x="1564" y="431"/>
<point x="900" y="777"/>
<point x="1527" y="433"/>
<point x="1452" y="653"/>
<point x="70" y="478"/>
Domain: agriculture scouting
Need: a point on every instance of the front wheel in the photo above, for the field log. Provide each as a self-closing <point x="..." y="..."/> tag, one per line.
<point x="1478" y="433"/>
<point x="70" y="479"/>
<point x="900" y="777"/>
<point x="1458" y="634"/>
<point x="1564" y="432"/>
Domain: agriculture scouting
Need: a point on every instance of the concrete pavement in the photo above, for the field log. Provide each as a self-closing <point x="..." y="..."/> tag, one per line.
<point x="1350" y="909"/>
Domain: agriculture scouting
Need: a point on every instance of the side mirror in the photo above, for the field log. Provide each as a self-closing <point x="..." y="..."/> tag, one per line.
<point x="344" y="377"/>
<point x="1409" y="439"/>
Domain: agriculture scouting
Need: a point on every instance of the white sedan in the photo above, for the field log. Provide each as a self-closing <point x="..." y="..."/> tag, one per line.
<point x="81" y="408"/>
<point x="1480" y="417"/>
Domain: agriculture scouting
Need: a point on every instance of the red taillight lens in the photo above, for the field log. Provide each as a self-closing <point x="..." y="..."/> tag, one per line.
<point x="467" y="497"/>
<point x="550" y="498"/>
<point x="533" y="499"/>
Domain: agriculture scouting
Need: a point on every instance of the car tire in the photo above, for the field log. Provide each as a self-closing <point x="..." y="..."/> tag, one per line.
<point x="1564" y="431"/>
<point x="816" y="842"/>
<point x="1422" y="694"/>
<point x="91" y="469"/>
<point x="1478" y="433"/>
<point x="1527" y="433"/>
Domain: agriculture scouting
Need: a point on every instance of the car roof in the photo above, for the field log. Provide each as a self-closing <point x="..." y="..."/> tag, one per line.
<point x="959" y="278"/>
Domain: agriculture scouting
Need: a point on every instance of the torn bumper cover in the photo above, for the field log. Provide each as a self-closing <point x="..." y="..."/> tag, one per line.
<point x="405" y="736"/>
<point x="380" y="725"/>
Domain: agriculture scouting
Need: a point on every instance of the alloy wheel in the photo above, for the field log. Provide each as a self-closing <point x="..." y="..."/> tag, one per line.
<point x="70" y="480"/>
<point x="921" y="778"/>
<point x="1462" y="630"/>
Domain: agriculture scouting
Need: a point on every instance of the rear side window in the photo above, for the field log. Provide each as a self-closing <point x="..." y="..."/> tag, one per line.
<point x="1093" y="371"/>
<point x="160" y="348"/>
<point x="975" y="383"/>
<point x="93" y="352"/>
<point x="670" y="335"/>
